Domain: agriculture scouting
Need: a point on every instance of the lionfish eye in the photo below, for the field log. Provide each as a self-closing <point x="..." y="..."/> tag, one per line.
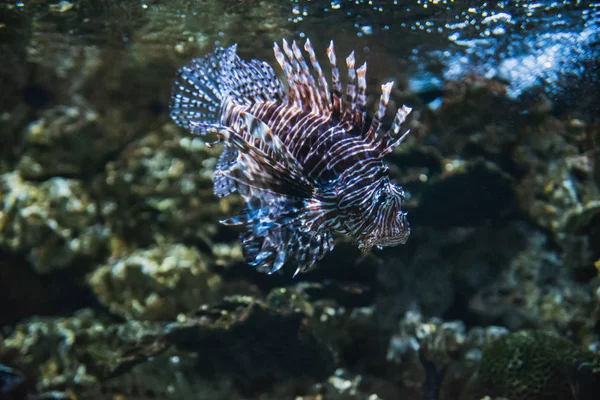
<point x="382" y="197"/>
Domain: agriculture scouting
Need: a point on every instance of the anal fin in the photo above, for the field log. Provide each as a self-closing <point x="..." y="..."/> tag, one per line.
<point x="277" y="233"/>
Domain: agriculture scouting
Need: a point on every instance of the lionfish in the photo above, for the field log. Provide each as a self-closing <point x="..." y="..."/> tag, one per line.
<point x="307" y="163"/>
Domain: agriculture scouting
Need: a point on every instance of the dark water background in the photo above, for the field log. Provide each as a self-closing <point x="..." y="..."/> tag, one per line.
<point x="117" y="279"/>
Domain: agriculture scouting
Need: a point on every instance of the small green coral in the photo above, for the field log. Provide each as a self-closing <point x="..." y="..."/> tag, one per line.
<point x="536" y="365"/>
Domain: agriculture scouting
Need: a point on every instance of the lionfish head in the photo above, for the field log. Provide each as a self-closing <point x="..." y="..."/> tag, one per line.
<point x="383" y="221"/>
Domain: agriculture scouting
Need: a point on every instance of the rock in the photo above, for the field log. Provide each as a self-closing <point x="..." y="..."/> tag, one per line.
<point x="157" y="283"/>
<point x="537" y="290"/>
<point x="79" y="350"/>
<point x="54" y="222"/>
<point x="162" y="185"/>
<point x="71" y="141"/>
<point x="255" y="344"/>
<point x="531" y="365"/>
<point x="580" y="240"/>
<point x="433" y="358"/>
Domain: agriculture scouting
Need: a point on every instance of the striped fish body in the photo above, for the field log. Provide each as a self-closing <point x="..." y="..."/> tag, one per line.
<point x="306" y="162"/>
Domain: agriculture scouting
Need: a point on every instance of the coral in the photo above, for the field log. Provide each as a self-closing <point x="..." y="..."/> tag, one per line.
<point x="245" y="338"/>
<point x="530" y="365"/>
<point x="156" y="283"/>
<point x="446" y="268"/>
<point x="433" y="358"/>
<point x="553" y="184"/>
<point x="53" y="222"/>
<point x="171" y="375"/>
<point x="69" y="141"/>
<point x="537" y="291"/>
<point x="580" y="239"/>
<point x="81" y="349"/>
<point x="163" y="184"/>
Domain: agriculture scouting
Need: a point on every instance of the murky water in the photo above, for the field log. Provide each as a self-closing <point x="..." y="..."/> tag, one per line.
<point x="118" y="281"/>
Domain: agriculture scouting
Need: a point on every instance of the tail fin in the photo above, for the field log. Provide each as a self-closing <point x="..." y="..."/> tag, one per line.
<point x="204" y="85"/>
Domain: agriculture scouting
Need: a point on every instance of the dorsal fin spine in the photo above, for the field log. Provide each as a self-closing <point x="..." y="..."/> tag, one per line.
<point x="323" y="87"/>
<point x="288" y="71"/>
<point x="335" y="80"/>
<point x="391" y="140"/>
<point x="383" y="102"/>
<point x="308" y="80"/>
<point x="295" y="76"/>
<point x="361" y="95"/>
<point x="350" y="87"/>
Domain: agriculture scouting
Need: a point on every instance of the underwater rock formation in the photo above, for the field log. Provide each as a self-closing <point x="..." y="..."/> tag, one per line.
<point x="106" y="204"/>
<point x="162" y="185"/>
<point x="537" y="290"/>
<point x="433" y="358"/>
<point x="170" y="375"/>
<point x="54" y="222"/>
<point x="227" y="339"/>
<point x="580" y="240"/>
<point x="248" y="340"/>
<point x="530" y="365"/>
<point x="158" y="283"/>
<point x="69" y="141"/>
<point x="79" y="350"/>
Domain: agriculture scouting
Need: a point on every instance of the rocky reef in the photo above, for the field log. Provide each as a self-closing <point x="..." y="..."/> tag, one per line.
<point x="118" y="281"/>
<point x="54" y="223"/>
<point x="535" y="365"/>
<point x="156" y="284"/>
